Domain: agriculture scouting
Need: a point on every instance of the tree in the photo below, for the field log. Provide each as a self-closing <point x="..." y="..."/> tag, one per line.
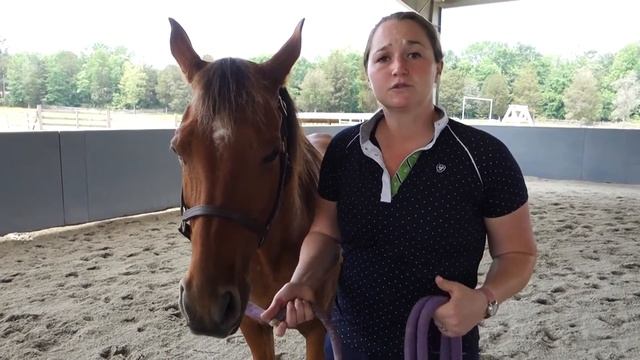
<point x="4" y="60"/>
<point x="26" y="80"/>
<point x="495" y="87"/>
<point x="316" y="92"/>
<point x="296" y="76"/>
<point x="627" y="96"/>
<point x="367" y="102"/>
<point x="625" y="60"/>
<point x="554" y="86"/>
<point x="172" y="90"/>
<point x="132" y="86"/>
<point x="62" y="69"/>
<point x="582" y="100"/>
<point x="100" y="74"/>
<point x="149" y="99"/>
<point x="341" y="69"/>
<point x="451" y="91"/>
<point x="526" y="90"/>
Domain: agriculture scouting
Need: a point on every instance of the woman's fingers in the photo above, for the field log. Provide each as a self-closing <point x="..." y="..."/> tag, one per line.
<point x="308" y="311"/>
<point x="281" y="328"/>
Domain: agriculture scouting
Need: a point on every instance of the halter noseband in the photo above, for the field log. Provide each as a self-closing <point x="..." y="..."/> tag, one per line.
<point x="262" y="230"/>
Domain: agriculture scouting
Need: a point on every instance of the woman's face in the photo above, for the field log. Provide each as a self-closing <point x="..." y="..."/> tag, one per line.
<point x="401" y="66"/>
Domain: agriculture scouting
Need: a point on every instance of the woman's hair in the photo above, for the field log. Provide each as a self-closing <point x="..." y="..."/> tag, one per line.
<point x="427" y="27"/>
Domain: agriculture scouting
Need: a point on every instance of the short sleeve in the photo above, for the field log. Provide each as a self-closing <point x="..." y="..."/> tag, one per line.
<point x="505" y="190"/>
<point x="330" y="171"/>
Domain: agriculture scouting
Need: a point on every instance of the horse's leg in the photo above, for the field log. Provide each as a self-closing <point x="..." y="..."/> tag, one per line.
<point x="313" y="333"/>
<point x="259" y="338"/>
<point x="319" y="141"/>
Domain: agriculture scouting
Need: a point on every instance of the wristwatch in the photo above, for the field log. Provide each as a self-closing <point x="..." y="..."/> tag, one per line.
<point x="492" y="303"/>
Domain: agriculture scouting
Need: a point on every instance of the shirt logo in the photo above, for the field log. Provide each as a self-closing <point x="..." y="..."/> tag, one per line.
<point x="440" y="168"/>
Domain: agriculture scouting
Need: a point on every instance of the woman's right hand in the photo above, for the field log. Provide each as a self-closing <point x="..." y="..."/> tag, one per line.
<point x="296" y="298"/>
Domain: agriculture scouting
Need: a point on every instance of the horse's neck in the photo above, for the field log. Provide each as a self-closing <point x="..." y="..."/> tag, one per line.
<point x="299" y="202"/>
<point x="296" y="211"/>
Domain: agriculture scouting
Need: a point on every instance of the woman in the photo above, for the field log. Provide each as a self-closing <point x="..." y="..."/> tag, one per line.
<point x="408" y="199"/>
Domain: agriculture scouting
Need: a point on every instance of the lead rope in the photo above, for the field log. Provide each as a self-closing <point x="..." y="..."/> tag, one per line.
<point x="416" y="344"/>
<point x="253" y="311"/>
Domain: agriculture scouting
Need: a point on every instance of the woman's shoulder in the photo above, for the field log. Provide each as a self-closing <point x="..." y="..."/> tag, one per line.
<point x="473" y="136"/>
<point x="347" y="136"/>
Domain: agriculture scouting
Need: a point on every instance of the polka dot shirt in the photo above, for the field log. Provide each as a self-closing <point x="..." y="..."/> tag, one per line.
<point x="393" y="247"/>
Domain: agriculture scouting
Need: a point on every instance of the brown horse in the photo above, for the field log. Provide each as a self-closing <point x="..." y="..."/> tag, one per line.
<point x="249" y="179"/>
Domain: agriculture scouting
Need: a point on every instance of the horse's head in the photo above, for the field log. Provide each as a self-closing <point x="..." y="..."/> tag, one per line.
<point x="233" y="148"/>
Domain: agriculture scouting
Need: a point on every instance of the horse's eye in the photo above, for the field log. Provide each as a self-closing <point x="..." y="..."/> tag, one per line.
<point x="272" y="156"/>
<point x="176" y="152"/>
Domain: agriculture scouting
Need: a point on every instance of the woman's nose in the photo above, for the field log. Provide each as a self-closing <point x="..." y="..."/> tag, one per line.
<point x="399" y="66"/>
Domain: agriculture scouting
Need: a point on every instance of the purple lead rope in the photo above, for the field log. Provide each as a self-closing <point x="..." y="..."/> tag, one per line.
<point x="416" y="344"/>
<point x="253" y="311"/>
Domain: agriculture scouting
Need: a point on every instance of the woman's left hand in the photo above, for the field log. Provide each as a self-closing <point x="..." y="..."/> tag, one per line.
<point x="464" y="310"/>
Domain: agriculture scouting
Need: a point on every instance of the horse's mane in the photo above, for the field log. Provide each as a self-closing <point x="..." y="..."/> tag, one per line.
<point x="229" y="91"/>
<point x="305" y="160"/>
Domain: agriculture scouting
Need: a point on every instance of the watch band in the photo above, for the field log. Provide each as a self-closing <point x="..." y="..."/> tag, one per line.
<point x="488" y="294"/>
<point x="492" y="302"/>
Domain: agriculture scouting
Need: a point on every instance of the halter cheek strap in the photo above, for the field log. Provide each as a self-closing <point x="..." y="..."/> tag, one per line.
<point x="250" y="223"/>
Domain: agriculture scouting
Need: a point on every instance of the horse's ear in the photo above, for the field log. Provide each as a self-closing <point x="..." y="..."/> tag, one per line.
<point x="190" y="63"/>
<point x="277" y="68"/>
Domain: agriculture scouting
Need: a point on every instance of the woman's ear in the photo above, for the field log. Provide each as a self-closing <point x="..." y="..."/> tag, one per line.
<point x="439" y="68"/>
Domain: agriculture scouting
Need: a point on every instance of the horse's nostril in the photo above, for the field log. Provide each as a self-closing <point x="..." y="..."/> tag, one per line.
<point x="228" y="308"/>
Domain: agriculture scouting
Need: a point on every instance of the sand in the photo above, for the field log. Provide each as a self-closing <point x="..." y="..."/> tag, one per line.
<point x="108" y="290"/>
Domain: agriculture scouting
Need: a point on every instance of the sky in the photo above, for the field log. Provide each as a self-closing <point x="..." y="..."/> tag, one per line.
<point x="249" y="28"/>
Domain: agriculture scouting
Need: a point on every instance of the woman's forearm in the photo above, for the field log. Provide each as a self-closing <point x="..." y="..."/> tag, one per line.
<point x="318" y="255"/>
<point x="509" y="273"/>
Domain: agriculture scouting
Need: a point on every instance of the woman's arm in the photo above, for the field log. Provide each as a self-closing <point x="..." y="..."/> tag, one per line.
<point x="320" y="250"/>
<point x="319" y="253"/>
<point x="514" y="253"/>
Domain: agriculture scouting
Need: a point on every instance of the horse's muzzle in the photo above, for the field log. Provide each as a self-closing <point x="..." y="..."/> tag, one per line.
<point x="218" y="317"/>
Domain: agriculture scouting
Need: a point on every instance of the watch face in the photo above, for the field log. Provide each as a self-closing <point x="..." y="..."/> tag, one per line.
<point x="492" y="308"/>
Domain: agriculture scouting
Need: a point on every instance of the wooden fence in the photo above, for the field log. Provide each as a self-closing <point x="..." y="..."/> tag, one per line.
<point x="60" y="118"/>
<point x="49" y="117"/>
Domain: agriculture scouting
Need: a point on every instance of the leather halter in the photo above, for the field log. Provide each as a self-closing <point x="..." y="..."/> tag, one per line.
<point x="262" y="230"/>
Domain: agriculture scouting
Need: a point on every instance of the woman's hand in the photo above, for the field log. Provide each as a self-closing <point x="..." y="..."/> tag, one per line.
<point x="464" y="310"/>
<point x="297" y="299"/>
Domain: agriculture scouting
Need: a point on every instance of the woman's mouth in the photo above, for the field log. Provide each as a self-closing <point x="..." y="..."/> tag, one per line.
<point x="400" y="85"/>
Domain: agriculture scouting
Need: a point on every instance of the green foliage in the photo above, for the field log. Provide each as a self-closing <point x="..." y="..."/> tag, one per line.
<point x="172" y="91"/>
<point x="100" y="75"/>
<point x="316" y="92"/>
<point x="526" y="90"/>
<point x="62" y="69"/>
<point x="367" y="102"/>
<point x="132" y="87"/>
<point x="625" y="60"/>
<point x="26" y="78"/>
<point x="296" y="76"/>
<point x="581" y="98"/>
<point x="342" y="70"/>
<point x="4" y="60"/>
<point x="554" y="85"/>
<point x="149" y="99"/>
<point x="627" y="98"/>
<point x="452" y="84"/>
<point x="551" y="87"/>
<point x="495" y="87"/>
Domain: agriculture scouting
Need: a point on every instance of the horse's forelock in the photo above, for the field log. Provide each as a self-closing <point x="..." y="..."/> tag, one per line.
<point x="226" y="92"/>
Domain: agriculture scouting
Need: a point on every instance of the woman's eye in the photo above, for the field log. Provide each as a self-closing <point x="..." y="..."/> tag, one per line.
<point x="272" y="156"/>
<point x="415" y="55"/>
<point x="382" y="59"/>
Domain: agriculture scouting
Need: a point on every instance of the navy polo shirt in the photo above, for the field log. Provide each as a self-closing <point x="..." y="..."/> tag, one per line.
<point x="393" y="247"/>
